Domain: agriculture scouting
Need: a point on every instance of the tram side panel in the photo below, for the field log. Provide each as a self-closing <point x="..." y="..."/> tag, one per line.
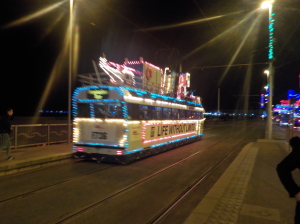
<point x="163" y="135"/>
<point x="98" y="137"/>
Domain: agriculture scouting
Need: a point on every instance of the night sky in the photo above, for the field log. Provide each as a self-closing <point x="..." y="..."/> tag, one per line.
<point x="203" y="35"/>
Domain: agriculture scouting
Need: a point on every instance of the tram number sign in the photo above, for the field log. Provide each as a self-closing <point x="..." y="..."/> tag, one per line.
<point x="99" y="135"/>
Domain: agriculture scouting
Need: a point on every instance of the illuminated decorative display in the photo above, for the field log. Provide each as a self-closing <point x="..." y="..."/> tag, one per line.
<point x="112" y="122"/>
<point x="97" y="94"/>
<point x="183" y="83"/>
<point x="271" y="31"/>
<point x="153" y="132"/>
<point x="262" y="100"/>
<point x="174" y="141"/>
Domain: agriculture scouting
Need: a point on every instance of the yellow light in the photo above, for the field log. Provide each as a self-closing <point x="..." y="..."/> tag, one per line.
<point x="132" y="122"/>
<point x="266" y="4"/>
<point x="115" y="120"/>
<point x="267" y="72"/>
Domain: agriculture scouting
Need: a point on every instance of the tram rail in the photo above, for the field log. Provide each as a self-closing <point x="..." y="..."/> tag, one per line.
<point x="93" y="205"/>
<point x="55" y="184"/>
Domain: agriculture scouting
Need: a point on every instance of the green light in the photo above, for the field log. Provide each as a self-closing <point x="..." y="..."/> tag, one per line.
<point x="271" y="33"/>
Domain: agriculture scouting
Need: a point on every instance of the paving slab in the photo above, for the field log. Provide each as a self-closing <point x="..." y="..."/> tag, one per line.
<point x="249" y="191"/>
<point x="34" y="157"/>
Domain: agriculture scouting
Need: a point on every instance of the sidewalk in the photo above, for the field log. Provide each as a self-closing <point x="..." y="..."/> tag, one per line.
<point x="249" y="191"/>
<point x="34" y="157"/>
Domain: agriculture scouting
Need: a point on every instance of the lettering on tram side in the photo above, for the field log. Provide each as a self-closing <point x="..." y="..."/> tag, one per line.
<point x="135" y="132"/>
<point x="99" y="135"/>
<point x="158" y="131"/>
<point x="152" y="131"/>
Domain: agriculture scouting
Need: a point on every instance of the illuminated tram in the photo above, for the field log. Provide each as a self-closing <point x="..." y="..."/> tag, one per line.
<point x="123" y="123"/>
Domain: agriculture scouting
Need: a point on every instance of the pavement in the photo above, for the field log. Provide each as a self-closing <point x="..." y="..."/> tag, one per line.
<point x="248" y="192"/>
<point x="34" y="157"/>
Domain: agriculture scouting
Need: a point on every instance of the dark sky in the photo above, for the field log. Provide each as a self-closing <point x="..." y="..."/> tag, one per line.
<point x="164" y="33"/>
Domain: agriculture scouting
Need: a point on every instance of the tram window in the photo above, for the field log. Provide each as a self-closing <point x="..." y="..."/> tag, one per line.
<point x="156" y="113"/>
<point x="145" y="112"/>
<point x="166" y="113"/>
<point x="193" y="114"/>
<point x="189" y="114"/>
<point x="115" y="110"/>
<point x="196" y="114"/>
<point x="83" y="110"/>
<point x="100" y="110"/>
<point x="133" y="111"/>
<point x="201" y="115"/>
<point x="175" y="114"/>
<point x="181" y="114"/>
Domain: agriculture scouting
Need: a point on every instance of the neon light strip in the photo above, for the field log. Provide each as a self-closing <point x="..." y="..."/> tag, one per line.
<point x="133" y="151"/>
<point x="75" y="135"/>
<point x="143" y="62"/>
<point x="161" y="144"/>
<point x="155" y="95"/>
<point x="123" y="67"/>
<point x="158" y="122"/>
<point x="98" y="119"/>
<point x="92" y="109"/>
<point x="97" y="101"/>
<point x="271" y="31"/>
<point x="177" y="140"/>
<point x="98" y="144"/>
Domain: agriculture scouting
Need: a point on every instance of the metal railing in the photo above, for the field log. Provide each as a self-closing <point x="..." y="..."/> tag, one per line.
<point x="38" y="134"/>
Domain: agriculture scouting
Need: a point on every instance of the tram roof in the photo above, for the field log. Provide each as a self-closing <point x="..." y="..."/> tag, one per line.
<point x="127" y="91"/>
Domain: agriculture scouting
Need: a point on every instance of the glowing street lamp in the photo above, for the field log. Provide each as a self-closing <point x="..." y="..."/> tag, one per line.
<point x="266" y="4"/>
<point x="267" y="72"/>
<point x="270" y="71"/>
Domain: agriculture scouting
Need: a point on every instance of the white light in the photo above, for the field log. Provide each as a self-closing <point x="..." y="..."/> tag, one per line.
<point x="266" y="4"/>
<point x="267" y="72"/>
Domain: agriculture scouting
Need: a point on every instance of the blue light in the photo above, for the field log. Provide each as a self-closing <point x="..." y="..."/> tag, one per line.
<point x="177" y="140"/>
<point x="97" y="144"/>
<point x="92" y="109"/>
<point x="165" y="143"/>
<point x="136" y="150"/>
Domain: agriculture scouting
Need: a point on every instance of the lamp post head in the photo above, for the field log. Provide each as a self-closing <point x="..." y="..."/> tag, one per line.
<point x="266" y="4"/>
<point x="267" y="72"/>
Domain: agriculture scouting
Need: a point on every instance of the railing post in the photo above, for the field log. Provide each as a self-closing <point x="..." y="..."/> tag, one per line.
<point x="48" y="143"/>
<point x="16" y="136"/>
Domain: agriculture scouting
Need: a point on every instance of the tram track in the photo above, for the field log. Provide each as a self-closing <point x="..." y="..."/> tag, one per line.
<point x="164" y="212"/>
<point x="168" y="209"/>
<point x="188" y="190"/>
<point x="89" y="207"/>
<point x="54" y="185"/>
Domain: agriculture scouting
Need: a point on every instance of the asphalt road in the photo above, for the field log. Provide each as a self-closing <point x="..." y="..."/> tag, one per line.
<point x="88" y="192"/>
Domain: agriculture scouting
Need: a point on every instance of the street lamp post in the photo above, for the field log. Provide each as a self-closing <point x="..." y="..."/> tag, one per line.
<point x="269" y="5"/>
<point x="70" y="69"/>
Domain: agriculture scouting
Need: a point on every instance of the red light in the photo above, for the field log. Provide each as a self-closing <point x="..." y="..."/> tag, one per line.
<point x="80" y="149"/>
<point x="119" y="152"/>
